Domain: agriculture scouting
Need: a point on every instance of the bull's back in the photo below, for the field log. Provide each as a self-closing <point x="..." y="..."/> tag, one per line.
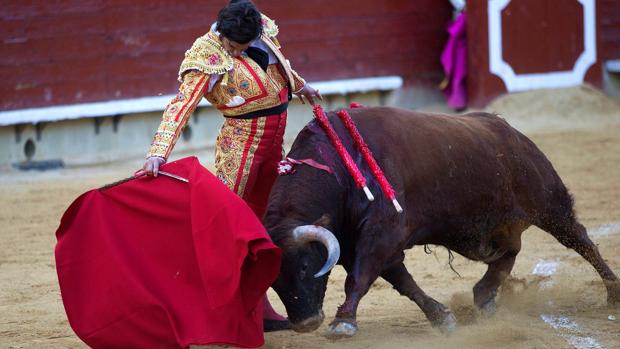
<point x="432" y="143"/>
<point x="470" y="164"/>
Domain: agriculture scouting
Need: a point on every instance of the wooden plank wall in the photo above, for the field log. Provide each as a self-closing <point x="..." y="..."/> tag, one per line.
<point x="71" y="51"/>
<point x="482" y="86"/>
<point x="610" y="29"/>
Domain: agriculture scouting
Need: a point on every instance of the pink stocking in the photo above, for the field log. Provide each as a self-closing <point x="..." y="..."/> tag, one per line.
<point x="268" y="312"/>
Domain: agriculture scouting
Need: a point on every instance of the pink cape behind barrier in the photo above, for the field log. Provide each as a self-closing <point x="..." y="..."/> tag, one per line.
<point x="454" y="61"/>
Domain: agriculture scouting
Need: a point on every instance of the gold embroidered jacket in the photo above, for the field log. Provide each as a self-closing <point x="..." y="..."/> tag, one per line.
<point x="242" y="86"/>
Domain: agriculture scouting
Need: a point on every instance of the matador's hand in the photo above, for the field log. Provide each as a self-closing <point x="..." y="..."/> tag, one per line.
<point x="308" y="92"/>
<point x="151" y="166"/>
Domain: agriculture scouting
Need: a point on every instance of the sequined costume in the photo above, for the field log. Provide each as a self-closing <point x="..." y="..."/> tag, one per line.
<point x="253" y="99"/>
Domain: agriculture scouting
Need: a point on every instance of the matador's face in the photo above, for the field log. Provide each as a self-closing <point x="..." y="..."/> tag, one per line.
<point x="234" y="48"/>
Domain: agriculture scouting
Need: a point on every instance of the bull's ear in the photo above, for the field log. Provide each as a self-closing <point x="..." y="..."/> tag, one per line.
<point x="324" y="221"/>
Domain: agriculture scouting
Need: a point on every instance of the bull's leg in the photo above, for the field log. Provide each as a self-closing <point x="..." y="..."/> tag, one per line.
<point x="356" y="285"/>
<point x="574" y="236"/>
<point x="361" y="273"/>
<point x="506" y="239"/>
<point x="486" y="289"/>
<point x="438" y="314"/>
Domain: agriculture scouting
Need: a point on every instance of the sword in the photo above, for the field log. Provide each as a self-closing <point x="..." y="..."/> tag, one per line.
<point x="167" y="174"/>
<point x="174" y="176"/>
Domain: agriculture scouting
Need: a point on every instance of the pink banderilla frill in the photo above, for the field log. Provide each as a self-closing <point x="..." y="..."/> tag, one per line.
<point x="362" y="147"/>
<point x="360" y="181"/>
<point x="287" y="166"/>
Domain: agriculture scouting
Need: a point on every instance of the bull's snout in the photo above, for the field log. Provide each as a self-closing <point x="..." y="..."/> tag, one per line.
<point x="310" y="324"/>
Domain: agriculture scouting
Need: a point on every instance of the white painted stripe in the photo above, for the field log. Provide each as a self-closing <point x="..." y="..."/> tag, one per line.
<point x="560" y="322"/>
<point x="581" y="342"/>
<point x="571" y="332"/>
<point x="553" y="79"/>
<point x="567" y="327"/>
<point x="363" y="85"/>
<point x="548" y="268"/>
<point x="605" y="229"/>
<point x="545" y="268"/>
<point x="158" y="103"/>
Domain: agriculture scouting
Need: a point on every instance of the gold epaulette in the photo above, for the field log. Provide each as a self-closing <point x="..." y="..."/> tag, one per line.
<point x="208" y="56"/>
<point x="270" y="28"/>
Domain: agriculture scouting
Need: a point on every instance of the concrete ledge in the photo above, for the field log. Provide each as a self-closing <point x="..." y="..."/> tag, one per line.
<point x="158" y="103"/>
<point x="613" y="66"/>
<point x="90" y="140"/>
<point x="611" y="78"/>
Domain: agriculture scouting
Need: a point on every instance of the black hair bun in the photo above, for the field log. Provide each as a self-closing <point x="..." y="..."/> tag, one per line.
<point x="240" y="21"/>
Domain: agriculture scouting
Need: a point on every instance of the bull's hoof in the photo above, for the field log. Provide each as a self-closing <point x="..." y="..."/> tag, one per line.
<point x="310" y="324"/>
<point x="613" y="293"/>
<point x="341" y="329"/>
<point x="442" y="318"/>
<point x="448" y="325"/>
<point x="489" y="308"/>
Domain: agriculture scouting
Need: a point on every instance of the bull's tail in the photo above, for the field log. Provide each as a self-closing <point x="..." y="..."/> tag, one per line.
<point x="558" y="212"/>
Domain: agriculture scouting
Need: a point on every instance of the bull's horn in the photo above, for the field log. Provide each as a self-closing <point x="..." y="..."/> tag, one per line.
<point x="308" y="233"/>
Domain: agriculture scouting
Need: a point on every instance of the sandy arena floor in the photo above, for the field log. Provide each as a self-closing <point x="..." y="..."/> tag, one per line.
<point x="555" y="299"/>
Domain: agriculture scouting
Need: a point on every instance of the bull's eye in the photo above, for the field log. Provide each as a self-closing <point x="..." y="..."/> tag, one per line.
<point x="302" y="272"/>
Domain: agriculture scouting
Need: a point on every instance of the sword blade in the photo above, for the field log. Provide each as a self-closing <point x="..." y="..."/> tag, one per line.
<point x="174" y="176"/>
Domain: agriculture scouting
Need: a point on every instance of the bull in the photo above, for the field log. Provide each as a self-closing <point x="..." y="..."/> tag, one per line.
<point x="471" y="183"/>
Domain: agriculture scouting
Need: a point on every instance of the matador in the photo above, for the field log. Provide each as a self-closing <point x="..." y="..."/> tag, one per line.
<point x="239" y="68"/>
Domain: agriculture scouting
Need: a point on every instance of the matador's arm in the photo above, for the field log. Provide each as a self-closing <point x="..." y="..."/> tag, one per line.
<point x="177" y="113"/>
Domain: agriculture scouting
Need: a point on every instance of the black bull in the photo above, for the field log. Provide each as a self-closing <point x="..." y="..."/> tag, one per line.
<point x="471" y="183"/>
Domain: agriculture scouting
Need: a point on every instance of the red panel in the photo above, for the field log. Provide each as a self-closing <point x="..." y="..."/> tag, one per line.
<point x="609" y="14"/>
<point x="70" y="51"/>
<point x="542" y="35"/>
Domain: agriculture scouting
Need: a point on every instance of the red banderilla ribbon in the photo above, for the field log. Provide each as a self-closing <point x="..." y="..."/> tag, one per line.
<point x="362" y="147"/>
<point x="360" y="181"/>
<point x="286" y="166"/>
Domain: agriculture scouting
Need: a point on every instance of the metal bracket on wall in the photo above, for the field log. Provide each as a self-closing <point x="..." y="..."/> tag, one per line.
<point x="116" y="119"/>
<point x="186" y="134"/>
<point x="19" y="129"/>
<point x="38" y="127"/>
<point x="383" y="96"/>
<point x="98" y="121"/>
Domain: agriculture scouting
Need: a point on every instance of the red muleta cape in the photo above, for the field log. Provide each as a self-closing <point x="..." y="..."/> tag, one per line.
<point x="160" y="263"/>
